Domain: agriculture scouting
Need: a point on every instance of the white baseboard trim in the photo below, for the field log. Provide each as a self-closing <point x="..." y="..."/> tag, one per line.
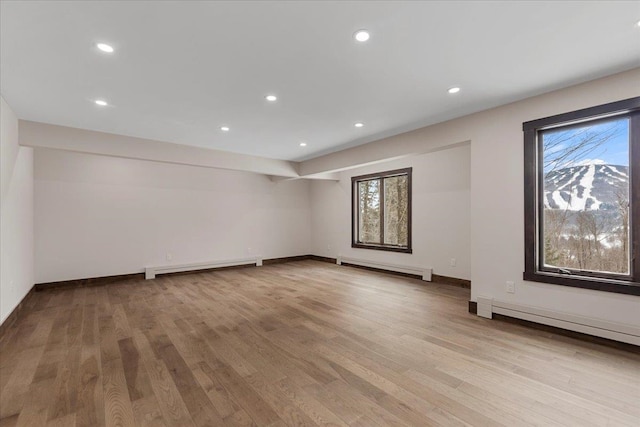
<point x="424" y="272"/>
<point x="151" y="272"/>
<point x="485" y="305"/>
<point x="587" y="325"/>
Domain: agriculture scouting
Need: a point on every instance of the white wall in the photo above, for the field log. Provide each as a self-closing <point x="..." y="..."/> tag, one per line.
<point x="440" y="211"/>
<point x="497" y="233"/>
<point x="42" y="135"/>
<point x="497" y="194"/>
<point x="16" y="214"/>
<point x="99" y="216"/>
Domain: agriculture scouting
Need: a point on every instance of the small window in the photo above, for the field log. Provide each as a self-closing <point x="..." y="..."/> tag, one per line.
<point x="582" y="204"/>
<point x="381" y="211"/>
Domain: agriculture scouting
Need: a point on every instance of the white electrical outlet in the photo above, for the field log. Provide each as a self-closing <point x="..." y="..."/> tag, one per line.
<point x="328" y="247"/>
<point x="453" y="262"/>
<point x="510" y="287"/>
<point x="169" y="256"/>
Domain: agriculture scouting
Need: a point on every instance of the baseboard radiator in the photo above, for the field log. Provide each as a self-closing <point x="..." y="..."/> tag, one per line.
<point x="424" y="272"/>
<point x="587" y="325"/>
<point x="151" y="272"/>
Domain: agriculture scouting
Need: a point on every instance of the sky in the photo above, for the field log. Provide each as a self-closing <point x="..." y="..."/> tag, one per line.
<point x="614" y="151"/>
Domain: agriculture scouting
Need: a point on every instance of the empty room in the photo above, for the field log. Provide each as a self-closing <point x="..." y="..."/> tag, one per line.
<point x="320" y="213"/>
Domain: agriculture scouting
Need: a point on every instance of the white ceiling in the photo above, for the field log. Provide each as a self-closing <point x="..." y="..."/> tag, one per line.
<point x="182" y="69"/>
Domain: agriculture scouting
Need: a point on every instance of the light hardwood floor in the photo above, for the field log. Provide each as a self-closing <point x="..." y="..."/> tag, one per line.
<point x="303" y="343"/>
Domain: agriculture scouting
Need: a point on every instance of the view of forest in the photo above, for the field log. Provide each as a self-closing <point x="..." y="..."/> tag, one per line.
<point x="383" y="211"/>
<point x="586" y="197"/>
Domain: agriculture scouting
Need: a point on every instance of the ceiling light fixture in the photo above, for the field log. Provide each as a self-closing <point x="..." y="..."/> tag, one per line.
<point x="101" y="102"/>
<point x="361" y="36"/>
<point x="271" y="98"/>
<point x="638" y="24"/>
<point x="105" y="47"/>
<point x="359" y="125"/>
<point x="303" y="144"/>
<point x="224" y="128"/>
<point x="454" y="90"/>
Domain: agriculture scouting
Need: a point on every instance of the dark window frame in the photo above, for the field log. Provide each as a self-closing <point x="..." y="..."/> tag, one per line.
<point x="533" y="207"/>
<point x="354" y="211"/>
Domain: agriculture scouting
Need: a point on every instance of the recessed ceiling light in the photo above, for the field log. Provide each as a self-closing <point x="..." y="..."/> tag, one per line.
<point x="454" y="90"/>
<point x="303" y="144"/>
<point x="224" y="128"/>
<point x="105" y="47"/>
<point x="359" y="125"/>
<point x="271" y="98"/>
<point x="638" y="24"/>
<point x="101" y="102"/>
<point x="361" y="35"/>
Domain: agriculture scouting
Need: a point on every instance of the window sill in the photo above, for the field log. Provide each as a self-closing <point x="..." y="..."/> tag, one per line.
<point x="575" y="281"/>
<point x="382" y="248"/>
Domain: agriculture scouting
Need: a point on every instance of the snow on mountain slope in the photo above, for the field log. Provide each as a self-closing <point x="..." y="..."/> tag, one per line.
<point x="587" y="187"/>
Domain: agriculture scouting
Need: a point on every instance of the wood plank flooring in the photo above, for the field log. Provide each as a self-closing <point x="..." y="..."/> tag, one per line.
<point x="302" y="343"/>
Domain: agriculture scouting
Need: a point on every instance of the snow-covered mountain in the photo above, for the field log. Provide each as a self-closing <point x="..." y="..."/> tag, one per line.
<point x="590" y="187"/>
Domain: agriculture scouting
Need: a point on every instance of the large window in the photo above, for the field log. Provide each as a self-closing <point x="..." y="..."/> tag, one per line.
<point x="582" y="198"/>
<point x="381" y="211"/>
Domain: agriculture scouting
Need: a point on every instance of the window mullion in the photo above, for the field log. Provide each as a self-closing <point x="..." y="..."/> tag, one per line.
<point x="381" y="187"/>
<point x="356" y="200"/>
<point x="634" y="189"/>
<point x="531" y="211"/>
